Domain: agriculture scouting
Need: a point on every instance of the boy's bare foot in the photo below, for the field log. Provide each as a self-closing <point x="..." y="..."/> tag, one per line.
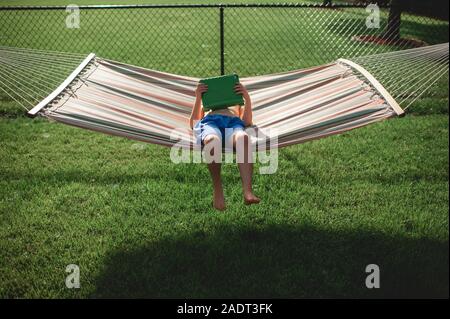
<point x="219" y="202"/>
<point x="251" y="199"/>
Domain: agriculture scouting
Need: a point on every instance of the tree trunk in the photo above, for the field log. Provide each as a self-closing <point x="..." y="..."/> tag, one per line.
<point x="395" y="19"/>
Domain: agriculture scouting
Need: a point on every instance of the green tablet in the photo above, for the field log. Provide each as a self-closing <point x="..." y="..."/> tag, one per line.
<point x="220" y="94"/>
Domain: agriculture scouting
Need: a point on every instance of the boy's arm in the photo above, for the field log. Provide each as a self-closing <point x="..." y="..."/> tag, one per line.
<point x="247" y="114"/>
<point x="197" y="110"/>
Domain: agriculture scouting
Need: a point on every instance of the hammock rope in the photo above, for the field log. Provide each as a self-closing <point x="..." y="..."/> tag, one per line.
<point x="27" y="75"/>
<point x="148" y="105"/>
<point x="408" y="74"/>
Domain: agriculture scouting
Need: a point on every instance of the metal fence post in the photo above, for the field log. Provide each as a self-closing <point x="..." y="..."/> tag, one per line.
<point x="222" y="42"/>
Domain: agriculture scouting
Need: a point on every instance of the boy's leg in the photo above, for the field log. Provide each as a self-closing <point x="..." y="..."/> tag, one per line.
<point x="241" y="142"/>
<point x="215" y="144"/>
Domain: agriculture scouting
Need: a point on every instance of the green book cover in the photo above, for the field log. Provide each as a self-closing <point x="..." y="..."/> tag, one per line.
<point x="220" y="94"/>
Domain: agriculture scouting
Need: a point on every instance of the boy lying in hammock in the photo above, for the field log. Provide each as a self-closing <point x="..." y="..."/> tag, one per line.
<point x="225" y="126"/>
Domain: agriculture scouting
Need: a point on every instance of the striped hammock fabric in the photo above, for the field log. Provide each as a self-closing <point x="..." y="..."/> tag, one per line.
<point x="147" y="105"/>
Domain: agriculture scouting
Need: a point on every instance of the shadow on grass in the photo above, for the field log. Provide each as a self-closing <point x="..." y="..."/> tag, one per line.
<point x="276" y="261"/>
<point x="422" y="29"/>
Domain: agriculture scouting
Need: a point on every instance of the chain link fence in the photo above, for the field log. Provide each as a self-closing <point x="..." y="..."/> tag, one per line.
<point x="205" y="40"/>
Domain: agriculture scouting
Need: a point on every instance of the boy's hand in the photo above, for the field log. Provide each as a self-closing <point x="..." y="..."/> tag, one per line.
<point x="241" y="89"/>
<point x="201" y="88"/>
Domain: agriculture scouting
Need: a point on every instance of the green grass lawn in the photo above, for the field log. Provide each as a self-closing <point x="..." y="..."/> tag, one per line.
<point x="141" y="226"/>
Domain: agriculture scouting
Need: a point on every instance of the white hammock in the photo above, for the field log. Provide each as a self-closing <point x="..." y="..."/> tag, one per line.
<point x="301" y="105"/>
